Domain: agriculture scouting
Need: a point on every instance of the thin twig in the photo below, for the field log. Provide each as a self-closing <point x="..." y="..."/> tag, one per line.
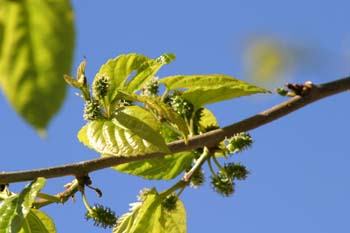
<point x="209" y="139"/>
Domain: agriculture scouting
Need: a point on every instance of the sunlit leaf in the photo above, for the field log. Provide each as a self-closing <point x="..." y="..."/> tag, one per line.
<point x="163" y="110"/>
<point x="132" y="132"/>
<point x="206" y="89"/>
<point x="130" y="72"/>
<point x="166" y="168"/>
<point x="38" y="222"/>
<point x="36" y="50"/>
<point x="208" y="121"/>
<point x="139" y="80"/>
<point x="14" y="210"/>
<point x="151" y="217"/>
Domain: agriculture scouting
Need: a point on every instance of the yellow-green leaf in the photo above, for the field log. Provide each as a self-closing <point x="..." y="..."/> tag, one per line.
<point x="163" y="110"/>
<point x="151" y="217"/>
<point x="165" y="168"/>
<point x="36" y="45"/>
<point x="207" y="89"/>
<point x="38" y="222"/>
<point x="132" y="132"/>
<point x="130" y="72"/>
<point x="14" y="209"/>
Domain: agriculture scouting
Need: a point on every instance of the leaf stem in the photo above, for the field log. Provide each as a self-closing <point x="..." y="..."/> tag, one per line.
<point x="217" y="163"/>
<point x="48" y="197"/>
<point x="86" y="203"/>
<point x="211" y="167"/>
<point x="199" y="162"/>
<point x="181" y="184"/>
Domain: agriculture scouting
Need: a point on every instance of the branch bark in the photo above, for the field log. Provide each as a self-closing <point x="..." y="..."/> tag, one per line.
<point x="209" y="139"/>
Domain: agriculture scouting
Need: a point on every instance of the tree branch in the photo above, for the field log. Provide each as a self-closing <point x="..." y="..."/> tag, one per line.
<point x="209" y="139"/>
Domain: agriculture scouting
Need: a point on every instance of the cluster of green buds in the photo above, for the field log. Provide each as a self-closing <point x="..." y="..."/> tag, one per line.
<point x="223" y="181"/>
<point x="169" y="203"/>
<point x="151" y="88"/>
<point x="223" y="184"/>
<point x="92" y="110"/>
<point x="100" y="87"/>
<point x="180" y="105"/>
<point x="197" y="179"/>
<point x="238" y="142"/>
<point x="102" y="216"/>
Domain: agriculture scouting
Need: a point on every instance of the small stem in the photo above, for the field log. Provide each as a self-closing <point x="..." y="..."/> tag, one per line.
<point x="187" y="177"/>
<point x="188" y="127"/>
<point x="204" y="156"/>
<point x="166" y="92"/>
<point x="180" y="192"/>
<point x="172" y="128"/>
<point x="211" y="167"/>
<point x="180" y="184"/>
<point x="217" y="163"/>
<point x="62" y="197"/>
<point x="86" y="203"/>
<point x="50" y="198"/>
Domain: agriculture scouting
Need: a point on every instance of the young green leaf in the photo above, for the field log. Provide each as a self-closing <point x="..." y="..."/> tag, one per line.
<point x="120" y="69"/>
<point x="207" y="89"/>
<point x="165" y="168"/>
<point x="150" y="216"/>
<point x="126" y="221"/>
<point x="207" y="121"/>
<point x="132" y="132"/>
<point x="38" y="222"/>
<point x="146" y="74"/>
<point x="36" y="50"/>
<point x="14" y="209"/>
<point x="162" y="110"/>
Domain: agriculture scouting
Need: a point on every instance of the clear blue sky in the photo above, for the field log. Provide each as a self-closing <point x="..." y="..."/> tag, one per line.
<point x="299" y="165"/>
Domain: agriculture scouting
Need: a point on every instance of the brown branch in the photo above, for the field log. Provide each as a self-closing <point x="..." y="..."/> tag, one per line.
<point x="209" y="139"/>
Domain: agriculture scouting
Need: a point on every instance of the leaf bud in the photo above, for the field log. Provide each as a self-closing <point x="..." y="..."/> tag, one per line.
<point x="281" y="91"/>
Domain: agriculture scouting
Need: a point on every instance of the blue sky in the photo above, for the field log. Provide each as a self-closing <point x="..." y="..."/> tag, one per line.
<point x="299" y="178"/>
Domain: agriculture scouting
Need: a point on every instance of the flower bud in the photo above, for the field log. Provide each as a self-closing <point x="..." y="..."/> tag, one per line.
<point x="92" y="110"/>
<point x="102" y="216"/>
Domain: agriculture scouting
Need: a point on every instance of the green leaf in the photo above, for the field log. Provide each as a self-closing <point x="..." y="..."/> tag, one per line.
<point x="132" y="132"/>
<point x="14" y="210"/>
<point x="208" y="119"/>
<point x="151" y="217"/>
<point x="140" y="79"/>
<point x="36" y="50"/>
<point x="207" y="89"/>
<point x="162" y="110"/>
<point x="126" y="221"/>
<point x="120" y="71"/>
<point x="38" y="222"/>
<point x="166" y="168"/>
